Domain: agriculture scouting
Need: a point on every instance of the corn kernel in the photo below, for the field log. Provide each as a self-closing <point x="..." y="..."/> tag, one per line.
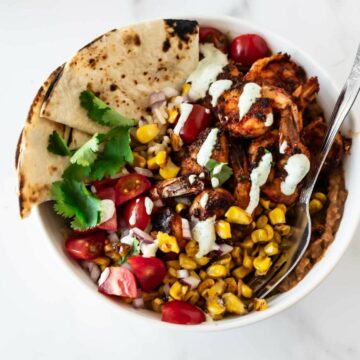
<point x="180" y="207"/>
<point x="170" y="170"/>
<point x="157" y="304"/>
<point x="246" y="291"/>
<point x="237" y="215"/>
<point x="102" y="261"/>
<point x="173" y="115"/>
<point x="277" y="237"/>
<point x="277" y="216"/>
<point x="215" y="307"/>
<point x="177" y="290"/>
<point x="283" y="229"/>
<point x="248" y="261"/>
<point x="159" y="160"/>
<point x="217" y="289"/>
<point x="149" y="296"/>
<point x="185" y="89"/>
<point x="205" y="284"/>
<point x="248" y="243"/>
<point x="260" y="304"/>
<point x="233" y="304"/>
<point x="192" y="297"/>
<point x="265" y="203"/>
<point x="262" y="264"/>
<point x="282" y="207"/>
<point x="231" y="285"/>
<point x="172" y="272"/>
<point x="271" y="249"/>
<point x="259" y="235"/>
<point x="269" y="231"/>
<point x="191" y="248"/>
<point x="241" y="272"/>
<point x="174" y="264"/>
<point x="261" y="221"/>
<point x="202" y="274"/>
<point x="146" y="133"/>
<point x="139" y="160"/>
<point x="167" y="243"/>
<point x="315" y="206"/>
<point x="202" y="261"/>
<point x="186" y="262"/>
<point x="176" y="142"/>
<point x="223" y="229"/>
<point x="216" y="271"/>
<point x="320" y="196"/>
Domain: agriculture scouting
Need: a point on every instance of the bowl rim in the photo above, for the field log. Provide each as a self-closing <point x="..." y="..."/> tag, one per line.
<point x="290" y="298"/>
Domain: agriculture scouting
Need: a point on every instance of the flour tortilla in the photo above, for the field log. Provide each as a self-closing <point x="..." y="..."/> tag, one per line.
<point x="123" y="67"/>
<point x="36" y="167"/>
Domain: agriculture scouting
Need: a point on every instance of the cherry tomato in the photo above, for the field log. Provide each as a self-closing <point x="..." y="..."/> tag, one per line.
<point x="149" y="271"/>
<point x="180" y="312"/>
<point x="198" y="120"/>
<point x="87" y="246"/>
<point x="130" y="186"/>
<point x="136" y="214"/>
<point x="111" y="224"/>
<point x="248" y="48"/>
<point x="104" y="183"/>
<point x="118" y="280"/>
<point x="212" y="35"/>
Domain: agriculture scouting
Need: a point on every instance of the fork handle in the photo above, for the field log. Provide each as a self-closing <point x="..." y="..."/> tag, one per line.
<point x="342" y="107"/>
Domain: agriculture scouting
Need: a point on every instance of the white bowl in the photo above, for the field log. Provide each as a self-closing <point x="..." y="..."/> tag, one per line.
<point x="327" y="97"/>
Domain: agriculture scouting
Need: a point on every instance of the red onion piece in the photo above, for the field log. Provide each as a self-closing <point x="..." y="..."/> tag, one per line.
<point x="141" y="235"/>
<point x="225" y="248"/>
<point x="182" y="273"/>
<point x="186" y="232"/>
<point x="142" y="171"/>
<point x="191" y="281"/>
<point x="156" y="97"/>
<point x="158" y="203"/>
<point x="170" y="92"/>
<point x="167" y="289"/>
<point x="138" y="303"/>
<point x="113" y="237"/>
<point x="93" y="269"/>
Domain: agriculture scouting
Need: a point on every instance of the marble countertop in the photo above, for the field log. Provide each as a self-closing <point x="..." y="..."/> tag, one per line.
<point x="38" y="319"/>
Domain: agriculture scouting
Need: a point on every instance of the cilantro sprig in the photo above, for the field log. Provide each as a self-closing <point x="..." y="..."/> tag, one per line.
<point x="57" y="144"/>
<point x="87" y="153"/>
<point x="135" y="250"/>
<point x="220" y="172"/>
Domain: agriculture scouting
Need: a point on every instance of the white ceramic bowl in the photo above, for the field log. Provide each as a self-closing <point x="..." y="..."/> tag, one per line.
<point x="327" y="98"/>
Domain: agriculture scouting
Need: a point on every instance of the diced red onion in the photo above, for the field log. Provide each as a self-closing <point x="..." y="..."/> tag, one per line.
<point x="113" y="237"/>
<point x="157" y="113"/>
<point x="183" y="200"/>
<point x="167" y="289"/>
<point x="156" y="97"/>
<point x="138" y="303"/>
<point x="141" y="235"/>
<point x="142" y="171"/>
<point x="93" y="270"/>
<point x="158" y="203"/>
<point x="225" y="248"/>
<point x="191" y="281"/>
<point x="186" y="232"/>
<point x="170" y="92"/>
<point x="93" y="189"/>
<point x="182" y="273"/>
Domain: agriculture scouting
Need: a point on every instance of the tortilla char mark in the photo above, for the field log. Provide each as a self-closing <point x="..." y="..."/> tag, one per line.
<point x="180" y="28"/>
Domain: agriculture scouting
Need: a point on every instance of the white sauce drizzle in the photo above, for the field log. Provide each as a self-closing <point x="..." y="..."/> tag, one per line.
<point x="215" y="182"/>
<point x="283" y="147"/>
<point x="202" y="175"/>
<point x="107" y="210"/>
<point x="148" y="205"/>
<point x="217" y="169"/>
<point x="297" y="167"/>
<point x="204" y="233"/>
<point x="258" y="178"/>
<point x="207" y="71"/>
<point x="204" y="199"/>
<point x="192" y="179"/>
<point x="207" y="148"/>
<point x="104" y="275"/>
<point x="217" y="88"/>
<point x="132" y="219"/>
<point x="269" y="119"/>
<point x="185" y="110"/>
<point x="149" y="250"/>
<point x="250" y="93"/>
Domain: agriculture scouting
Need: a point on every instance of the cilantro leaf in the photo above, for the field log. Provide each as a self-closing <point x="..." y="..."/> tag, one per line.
<point x="100" y="112"/>
<point x="76" y="172"/>
<point x="117" y="152"/>
<point x="74" y="201"/>
<point x="86" y="154"/>
<point x="219" y="171"/>
<point x="134" y="251"/>
<point x="57" y="144"/>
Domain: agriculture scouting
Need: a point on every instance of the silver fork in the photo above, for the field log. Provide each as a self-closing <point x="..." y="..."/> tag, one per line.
<point x="299" y="240"/>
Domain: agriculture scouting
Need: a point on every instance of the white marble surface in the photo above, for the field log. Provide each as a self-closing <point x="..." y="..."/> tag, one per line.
<point x="38" y="318"/>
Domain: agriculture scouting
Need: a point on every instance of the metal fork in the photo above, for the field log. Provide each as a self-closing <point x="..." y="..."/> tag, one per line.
<point x="299" y="240"/>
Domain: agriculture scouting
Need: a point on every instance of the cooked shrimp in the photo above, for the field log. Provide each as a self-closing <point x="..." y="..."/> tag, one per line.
<point x="306" y="93"/>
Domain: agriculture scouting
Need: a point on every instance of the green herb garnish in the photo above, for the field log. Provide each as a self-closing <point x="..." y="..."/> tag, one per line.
<point x="57" y="144"/>
<point x="87" y="153"/>
<point x="134" y="251"/>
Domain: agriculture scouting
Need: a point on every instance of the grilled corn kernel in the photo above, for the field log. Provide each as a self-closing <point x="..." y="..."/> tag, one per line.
<point x="167" y="243"/>
<point x="261" y="221"/>
<point x="246" y="291"/>
<point x="217" y="289"/>
<point x="157" y="304"/>
<point x="108" y="248"/>
<point x="186" y="262"/>
<point x="241" y="272"/>
<point x="202" y="261"/>
<point x="205" y="284"/>
<point x="168" y="279"/>
<point x="185" y="89"/>
<point x="139" y="160"/>
<point x="248" y="243"/>
<point x="173" y="115"/>
<point x="259" y="235"/>
<point x="215" y="307"/>
<point x="191" y="248"/>
<point x="102" y="261"/>
<point x="159" y="160"/>
<point x="248" y="261"/>
<point x="265" y="203"/>
<point x="320" y="196"/>
<point x="236" y="252"/>
<point x="277" y="237"/>
<point x="177" y="290"/>
<point x="223" y="229"/>
<point x="277" y="216"/>
<point x="174" y="264"/>
<point x="114" y="256"/>
<point x="216" y="271"/>
<point x="282" y="207"/>
<point x="176" y="142"/>
<point x="180" y="207"/>
<point x="269" y="231"/>
<point x="237" y="215"/>
<point x="223" y="260"/>
<point x="172" y="271"/>
<point x="146" y="133"/>
<point x="271" y="249"/>
<point x="231" y="285"/>
<point x="202" y="274"/>
<point x="283" y="229"/>
<point x="262" y="264"/>
<point x="260" y="304"/>
<point x="233" y="304"/>
<point x="315" y="206"/>
<point x="169" y="171"/>
<point x="149" y="296"/>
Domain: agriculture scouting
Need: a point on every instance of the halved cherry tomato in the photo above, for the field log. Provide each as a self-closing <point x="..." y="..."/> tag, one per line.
<point x="215" y="36"/>
<point x="198" y="120"/>
<point x="130" y="186"/>
<point x="135" y="213"/>
<point x="111" y="224"/>
<point x="180" y="312"/>
<point x="118" y="280"/>
<point x="149" y="271"/>
<point x="248" y="48"/>
<point x="104" y="183"/>
<point x="87" y="246"/>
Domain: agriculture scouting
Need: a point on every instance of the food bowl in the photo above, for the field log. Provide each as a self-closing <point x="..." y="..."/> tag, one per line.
<point x="327" y="97"/>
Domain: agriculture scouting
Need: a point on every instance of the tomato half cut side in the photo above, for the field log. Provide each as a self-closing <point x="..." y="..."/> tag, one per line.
<point x="111" y="224"/>
<point x="130" y="186"/>
<point x="211" y="35"/>
<point x="180" y="312"/>
<point x="136" y="214"/>
<point x="87" y="246"/>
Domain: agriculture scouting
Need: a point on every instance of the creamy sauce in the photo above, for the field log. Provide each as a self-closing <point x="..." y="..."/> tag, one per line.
<point x="207" y="148"/>
<point x="297" y="167"/>
<point x="283" y="147"/>
<point x="258" y="178"/>
<point x="215" y="182"/>
<point x="217" y="169"/>
<point x="204" y="199"/>
<point x="269" y="119"/>
<point x="192" y="179"/>
<point x="217" y="88"/>
<point x="250" y="93"/>
<point x="204" y="233"/>
<point x="132" y="219"/>
<point x="104" y="275"/>
<point x="185" y="110"/>
<point x="149" y="250"/>
<point x="107" y="210"/>
<point x="202" y="175"/>
<point x="207" y="71"/>
<point x="148" y="205"/>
